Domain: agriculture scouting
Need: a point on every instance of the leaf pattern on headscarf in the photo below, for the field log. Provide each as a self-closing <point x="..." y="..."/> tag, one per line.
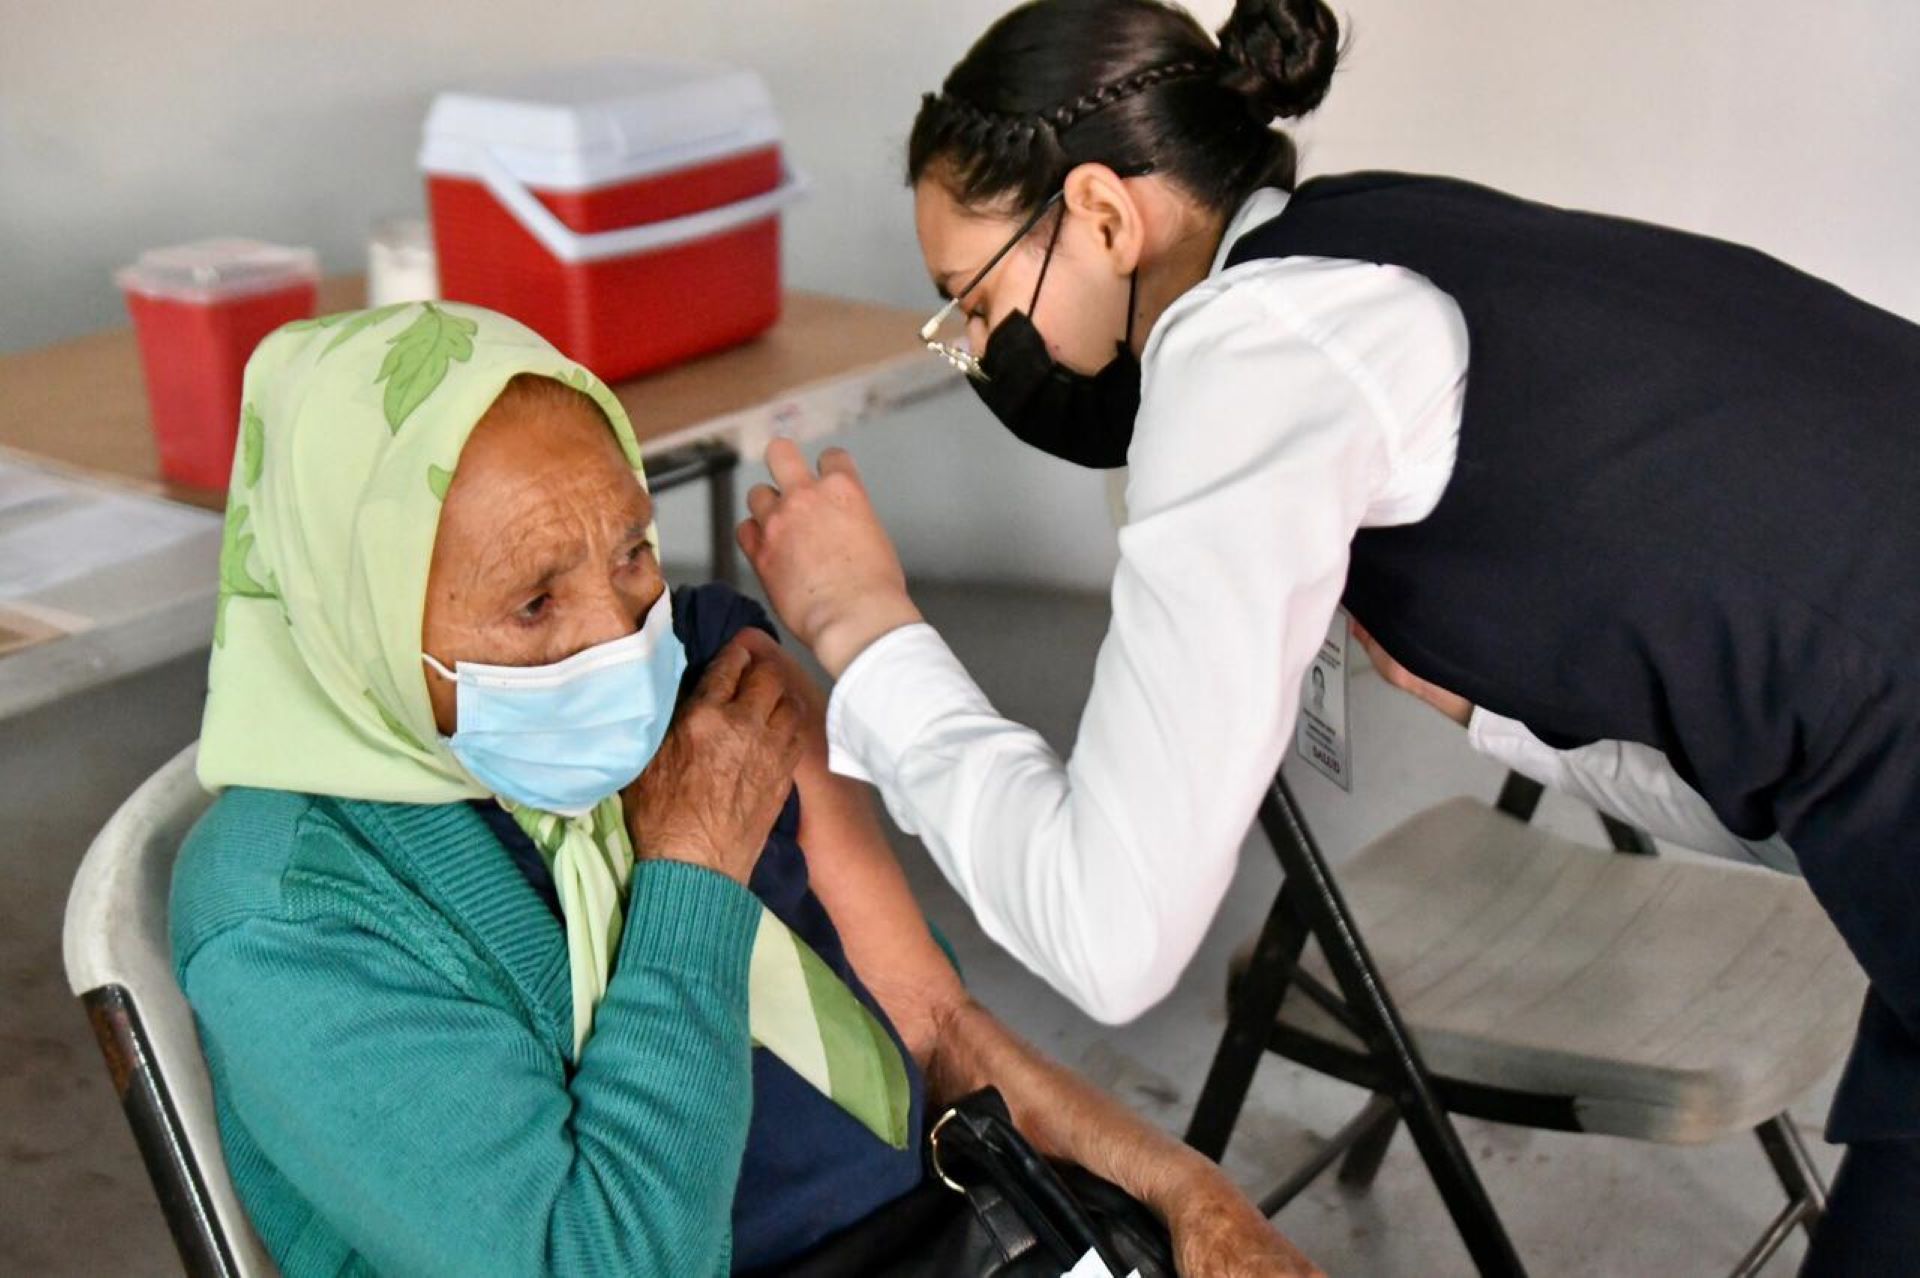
<point x="312" y="322"/>
<point x="358" y="321"/>
<point x="236" y="578"/>
<point x="418" y="360"/>
<point x="439" y="479"/>
<point x="253" y="445"/>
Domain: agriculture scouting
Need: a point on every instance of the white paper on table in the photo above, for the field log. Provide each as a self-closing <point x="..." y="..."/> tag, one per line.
<point x="1091" y="1266"/>
<point x="53" y="530"/>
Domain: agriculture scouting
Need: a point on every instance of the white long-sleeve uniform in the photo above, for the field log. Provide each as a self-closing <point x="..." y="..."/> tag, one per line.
<point x="1631" y="781"/>
<point x="1285" y="405"/>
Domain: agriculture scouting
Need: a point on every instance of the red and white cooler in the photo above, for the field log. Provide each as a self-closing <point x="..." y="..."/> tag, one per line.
<point x="627" y="212"/>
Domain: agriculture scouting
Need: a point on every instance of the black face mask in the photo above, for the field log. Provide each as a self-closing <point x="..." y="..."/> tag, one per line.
<point x="1083" y="418"/>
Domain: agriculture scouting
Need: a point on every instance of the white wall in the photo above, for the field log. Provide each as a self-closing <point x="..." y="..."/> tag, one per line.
<point x="1792" y="127"/>
<point x="1795" y="127"/>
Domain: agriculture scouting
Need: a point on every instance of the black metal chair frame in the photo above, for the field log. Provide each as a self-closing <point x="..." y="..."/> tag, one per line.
<point x="159" y="1132"/>
<point x="716" y="463"/>
<point x="1310" y="903"/>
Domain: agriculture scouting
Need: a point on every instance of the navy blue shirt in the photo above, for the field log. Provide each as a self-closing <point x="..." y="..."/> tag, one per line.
<point x="810" y="1168"/>
<point x="1683" y="514"/>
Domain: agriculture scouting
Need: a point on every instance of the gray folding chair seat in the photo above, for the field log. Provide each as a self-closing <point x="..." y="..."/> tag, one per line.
<point x="119" y="964"/>
<point x="1470" y="964"/>
<point x="1666" y="1000"/>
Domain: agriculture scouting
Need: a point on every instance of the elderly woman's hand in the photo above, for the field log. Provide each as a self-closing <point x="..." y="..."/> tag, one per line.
<point x="712" y="793"/>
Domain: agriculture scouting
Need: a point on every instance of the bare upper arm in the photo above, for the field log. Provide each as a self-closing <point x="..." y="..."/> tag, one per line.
<point x="858" y="879"/>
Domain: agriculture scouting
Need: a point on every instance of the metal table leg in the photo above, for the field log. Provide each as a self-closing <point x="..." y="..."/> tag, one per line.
<point x="716" y="463"/>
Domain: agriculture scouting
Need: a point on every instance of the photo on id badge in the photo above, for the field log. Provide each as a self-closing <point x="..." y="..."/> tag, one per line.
<point x="1321" y="735"/>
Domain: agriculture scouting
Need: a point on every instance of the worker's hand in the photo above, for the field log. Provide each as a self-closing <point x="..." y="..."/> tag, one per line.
<point x="712" y="792"/>
<point x="1217" y="1233"/>
<point x="826" y="563"/>
<point x="1456" y="708"/>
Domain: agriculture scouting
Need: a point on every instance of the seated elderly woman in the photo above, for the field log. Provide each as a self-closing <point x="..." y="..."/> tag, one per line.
<point x="502" y="944"/>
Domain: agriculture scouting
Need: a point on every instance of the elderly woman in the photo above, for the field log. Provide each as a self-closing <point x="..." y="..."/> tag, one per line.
<point x="504" y="950"/>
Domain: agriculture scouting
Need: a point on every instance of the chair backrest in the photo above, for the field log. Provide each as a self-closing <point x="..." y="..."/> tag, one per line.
<point x="119" y="964"/>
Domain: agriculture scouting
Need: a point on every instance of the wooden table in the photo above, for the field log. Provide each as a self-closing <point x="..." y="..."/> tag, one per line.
<point x="81" y="406"/>
<point x="826" y="364"/>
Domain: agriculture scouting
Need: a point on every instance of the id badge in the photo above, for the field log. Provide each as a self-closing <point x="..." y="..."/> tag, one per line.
<point x="1321" y="738"/>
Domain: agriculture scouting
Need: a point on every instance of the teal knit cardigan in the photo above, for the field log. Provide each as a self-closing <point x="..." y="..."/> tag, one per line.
<point x="385" y="1010"/>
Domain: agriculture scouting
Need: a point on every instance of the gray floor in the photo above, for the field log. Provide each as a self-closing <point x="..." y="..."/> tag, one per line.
<point x="74" y="1199"/>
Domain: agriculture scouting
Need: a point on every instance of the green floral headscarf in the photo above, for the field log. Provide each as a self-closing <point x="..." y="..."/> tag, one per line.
<point x="351" y="431"/>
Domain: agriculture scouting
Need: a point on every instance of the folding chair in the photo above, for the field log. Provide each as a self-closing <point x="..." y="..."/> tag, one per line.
<point x="1510" y="975"/>
<point x="119" y="965"/>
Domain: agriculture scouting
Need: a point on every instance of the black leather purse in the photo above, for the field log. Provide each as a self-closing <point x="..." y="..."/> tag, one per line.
<point x="992" y="1207"/>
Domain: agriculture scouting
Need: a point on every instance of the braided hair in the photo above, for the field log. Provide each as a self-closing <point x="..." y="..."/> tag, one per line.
<point x="1137" y="85"/>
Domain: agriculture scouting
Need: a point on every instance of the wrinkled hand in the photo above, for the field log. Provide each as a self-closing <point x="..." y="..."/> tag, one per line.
<point x="1217" y="1233"/>
<point x="1452" y="705"/>
<point x="713" y="791"/>
<point x="827" y="565"/>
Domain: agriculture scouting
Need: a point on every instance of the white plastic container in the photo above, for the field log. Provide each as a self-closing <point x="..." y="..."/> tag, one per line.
<point x="400" y="265"/>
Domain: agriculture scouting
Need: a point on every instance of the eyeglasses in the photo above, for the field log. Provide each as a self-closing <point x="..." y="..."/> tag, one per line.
<point x="958" y="355"/>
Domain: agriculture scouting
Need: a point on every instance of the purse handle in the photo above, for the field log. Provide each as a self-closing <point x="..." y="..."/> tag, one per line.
<point x="979" y="1131"/>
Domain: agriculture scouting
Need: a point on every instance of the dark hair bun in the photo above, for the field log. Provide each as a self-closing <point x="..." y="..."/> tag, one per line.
<point x="1279" y="55"/>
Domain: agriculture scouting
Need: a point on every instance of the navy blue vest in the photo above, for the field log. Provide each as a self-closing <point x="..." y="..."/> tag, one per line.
<point x="1685" y="512"/>
<point x="810" y="1168"/>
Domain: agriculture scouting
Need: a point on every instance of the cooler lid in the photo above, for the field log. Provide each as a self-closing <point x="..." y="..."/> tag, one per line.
<point x="208" y="270"/>
<point x="583" y="127"/>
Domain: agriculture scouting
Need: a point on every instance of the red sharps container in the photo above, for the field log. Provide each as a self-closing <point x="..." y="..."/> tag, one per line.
<point x="198" y="311"/>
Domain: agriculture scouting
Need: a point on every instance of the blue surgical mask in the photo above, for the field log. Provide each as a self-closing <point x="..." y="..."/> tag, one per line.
<point x="560" y="738"/>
